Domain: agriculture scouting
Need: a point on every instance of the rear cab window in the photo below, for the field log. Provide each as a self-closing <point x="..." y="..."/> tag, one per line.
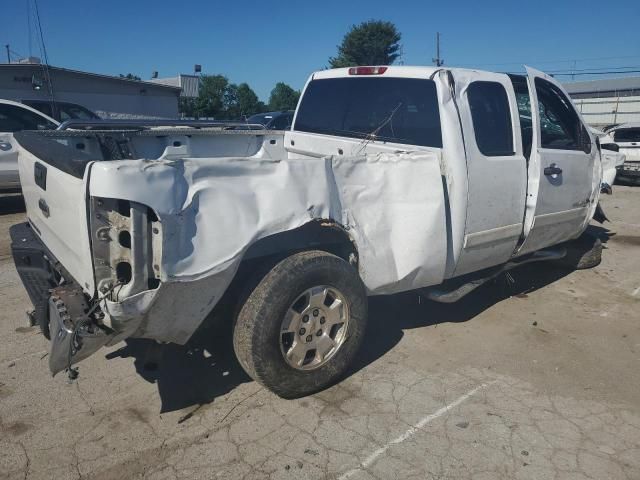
<point x="387" y="109"/>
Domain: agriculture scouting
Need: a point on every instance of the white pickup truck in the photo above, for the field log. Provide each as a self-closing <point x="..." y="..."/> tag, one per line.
<point x="390" y="179"/>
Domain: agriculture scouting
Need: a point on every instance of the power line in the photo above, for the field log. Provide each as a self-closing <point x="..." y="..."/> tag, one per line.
<point x="547" y="62"/>
<point x="594" y="73"/>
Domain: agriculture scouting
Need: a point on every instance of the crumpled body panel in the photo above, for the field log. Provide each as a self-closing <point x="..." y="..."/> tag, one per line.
<point x="213" y="209"/>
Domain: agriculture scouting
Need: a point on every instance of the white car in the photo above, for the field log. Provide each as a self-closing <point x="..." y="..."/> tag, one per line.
<point x="612" y="158"/>
<point x="15" y="117"/>
<point x="627" y="136"/>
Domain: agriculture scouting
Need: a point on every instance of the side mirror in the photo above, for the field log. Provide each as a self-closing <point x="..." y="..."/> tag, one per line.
<point x="613" y="147"/>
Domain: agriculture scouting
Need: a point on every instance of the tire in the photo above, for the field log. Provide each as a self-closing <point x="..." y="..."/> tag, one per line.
<point x="582" y="253"/>
<point x="261" y="344"/>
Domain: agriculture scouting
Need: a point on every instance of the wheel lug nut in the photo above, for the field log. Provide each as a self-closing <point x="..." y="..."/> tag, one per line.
<point x="302" y="331"/>
<point x="305" y="319"/>
<point x="319" y="332"/>
<point x="309" y="338"/>
<point x="316" y="312"/>
<point x="322" y="320"/>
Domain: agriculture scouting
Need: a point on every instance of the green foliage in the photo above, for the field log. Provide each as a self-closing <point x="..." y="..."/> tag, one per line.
<point x="248" y="102"/>
<point x="221" y="100"/>
<point x="130" y="76"/>
<point x="371" y="43"/>
<point x="283" y="97"/>
<point x="211" y="98"/>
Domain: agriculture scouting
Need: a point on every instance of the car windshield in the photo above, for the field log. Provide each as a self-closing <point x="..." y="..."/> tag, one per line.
<point x="70" y="111"/>
<point x="14" y="119"/>
<point x="627" y="135"/>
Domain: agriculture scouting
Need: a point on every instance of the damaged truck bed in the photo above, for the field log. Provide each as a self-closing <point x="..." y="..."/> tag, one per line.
<point x="391" y="179"/>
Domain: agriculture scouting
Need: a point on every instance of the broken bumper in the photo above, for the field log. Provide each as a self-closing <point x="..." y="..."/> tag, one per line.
<point x="65" y="314"/>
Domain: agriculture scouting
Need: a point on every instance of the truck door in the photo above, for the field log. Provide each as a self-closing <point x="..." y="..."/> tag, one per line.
<point x="496" y="169"/>
<point x="564" y="169"/>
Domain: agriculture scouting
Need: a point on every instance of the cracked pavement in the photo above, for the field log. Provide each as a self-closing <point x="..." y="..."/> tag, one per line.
<point x="539" y="379"/>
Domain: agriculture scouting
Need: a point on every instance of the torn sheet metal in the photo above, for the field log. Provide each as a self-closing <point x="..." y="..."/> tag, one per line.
<point x="213" y="210"/>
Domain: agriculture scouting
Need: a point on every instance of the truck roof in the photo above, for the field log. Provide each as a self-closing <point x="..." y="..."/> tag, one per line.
<point x="407" y="71"/>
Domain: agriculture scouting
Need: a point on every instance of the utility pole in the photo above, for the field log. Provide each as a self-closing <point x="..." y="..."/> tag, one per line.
<point x="8" y="53"/>
<point x="438" y="61"/>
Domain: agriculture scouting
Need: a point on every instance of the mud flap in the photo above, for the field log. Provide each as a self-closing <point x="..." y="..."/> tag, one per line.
<point x="599" y="215"/>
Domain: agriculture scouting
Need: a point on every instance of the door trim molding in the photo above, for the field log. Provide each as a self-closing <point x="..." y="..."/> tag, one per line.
<point x="560" y="217"/>
<point x="494" y="235"/>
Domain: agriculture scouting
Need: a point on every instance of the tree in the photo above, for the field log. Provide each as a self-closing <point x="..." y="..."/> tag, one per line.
<point x="130" y="76"/>
<point x="210" y="101"/>
<point x="248" y="103"/>
<point x="283" y="97"/>
<point x="221" y="100"/>
<point x="187" y="106"/>
<point x="371" y="43"/>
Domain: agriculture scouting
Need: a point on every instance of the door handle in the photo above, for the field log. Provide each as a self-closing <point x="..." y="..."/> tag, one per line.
<point x="552" y="170"/>
<point x="5" y="146"/>
<point x="44" y="207"/>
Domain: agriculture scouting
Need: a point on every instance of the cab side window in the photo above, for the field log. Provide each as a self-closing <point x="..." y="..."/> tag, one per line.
<point x="560" y="127"/>
<point x="491" y="118"/>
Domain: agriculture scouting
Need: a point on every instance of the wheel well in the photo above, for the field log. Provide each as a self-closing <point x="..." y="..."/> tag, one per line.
<point x="322" y="235"/>
<point x="316" y="235"/>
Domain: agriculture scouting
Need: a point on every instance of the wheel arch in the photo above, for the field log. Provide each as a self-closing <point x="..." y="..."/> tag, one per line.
<point x="325" y="235"/>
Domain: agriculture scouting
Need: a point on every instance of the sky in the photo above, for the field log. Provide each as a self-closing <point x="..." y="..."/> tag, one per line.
<point x="264" y="42"/>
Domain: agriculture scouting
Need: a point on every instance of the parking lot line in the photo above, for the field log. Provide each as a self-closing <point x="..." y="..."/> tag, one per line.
<point x="413" y="430"/>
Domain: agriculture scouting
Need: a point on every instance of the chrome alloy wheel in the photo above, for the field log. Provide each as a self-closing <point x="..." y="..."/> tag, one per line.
<point x="314" y="327"/>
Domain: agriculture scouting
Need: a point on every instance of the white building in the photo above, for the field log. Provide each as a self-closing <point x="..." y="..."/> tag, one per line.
<point x="109" y="97"/>
<point x="607" y="101"/>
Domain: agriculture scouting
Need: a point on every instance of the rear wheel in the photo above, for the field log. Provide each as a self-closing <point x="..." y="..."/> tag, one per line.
<point x="301" y="327"/>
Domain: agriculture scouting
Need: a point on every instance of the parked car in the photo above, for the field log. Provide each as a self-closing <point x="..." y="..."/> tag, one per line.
<point x="391" y="179"/>
<point x="15" y="117"/>
<point x="627" y="136"/>
<point x="273" y="120"/>
<point x="612" y="159"/>
<point x="62" y="111"/>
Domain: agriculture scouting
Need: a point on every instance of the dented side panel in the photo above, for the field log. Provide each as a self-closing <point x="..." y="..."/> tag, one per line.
<point x="212" y="210"/>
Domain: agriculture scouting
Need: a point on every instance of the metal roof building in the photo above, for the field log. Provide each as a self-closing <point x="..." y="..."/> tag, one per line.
<point x="607" y="101"/>
<point x="108" y="96"/>
<point x="189" y="84"/>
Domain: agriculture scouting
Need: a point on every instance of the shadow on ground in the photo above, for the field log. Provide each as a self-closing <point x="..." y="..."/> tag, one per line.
<point x="10" y="204"/>
<point x="206" y="367"/>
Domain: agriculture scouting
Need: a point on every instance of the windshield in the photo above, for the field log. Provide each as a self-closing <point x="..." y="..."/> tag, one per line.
<point x="627" y="135"/>
<point x="399" y="110"/>
<point x="70" y="111"/>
